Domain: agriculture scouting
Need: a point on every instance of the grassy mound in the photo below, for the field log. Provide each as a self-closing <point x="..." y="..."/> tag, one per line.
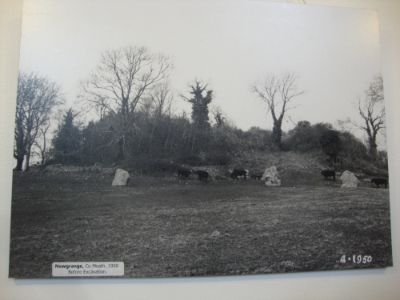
<point x="293" y="167"/>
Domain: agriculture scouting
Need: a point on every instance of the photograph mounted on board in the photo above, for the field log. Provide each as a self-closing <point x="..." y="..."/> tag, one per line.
<point x="192" y="138"/>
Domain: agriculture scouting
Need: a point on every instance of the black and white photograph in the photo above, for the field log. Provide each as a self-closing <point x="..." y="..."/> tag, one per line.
<point x="198" y="138"/>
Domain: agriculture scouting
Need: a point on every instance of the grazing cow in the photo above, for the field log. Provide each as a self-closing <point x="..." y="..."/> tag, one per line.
<point x="236" y="173"/>
<point x="256" y="176"/>
<point x="378" y="181"/>
<point x="202" y="175"/>
<point x="329" y="173"/>
<point x="184" y="173"/>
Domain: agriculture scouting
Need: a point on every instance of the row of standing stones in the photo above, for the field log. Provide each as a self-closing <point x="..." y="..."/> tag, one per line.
<point x="270" y="178"/>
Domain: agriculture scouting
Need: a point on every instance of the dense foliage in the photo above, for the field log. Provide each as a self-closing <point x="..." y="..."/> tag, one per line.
<point x="67" y="141"/>
<point x="161" y="142"/>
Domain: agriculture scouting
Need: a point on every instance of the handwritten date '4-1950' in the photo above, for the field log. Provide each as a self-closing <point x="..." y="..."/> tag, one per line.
<point x="356" y="259"/>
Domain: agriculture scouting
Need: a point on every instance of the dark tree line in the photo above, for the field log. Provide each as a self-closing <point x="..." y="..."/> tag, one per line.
<point x="137" y="127"/>
<point x="160" y="136"/>
<point x="341" y="148"/>
<point x="160" y="141"/>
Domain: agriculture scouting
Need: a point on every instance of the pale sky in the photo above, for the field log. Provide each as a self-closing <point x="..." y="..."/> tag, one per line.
<point x="230" y="45"/>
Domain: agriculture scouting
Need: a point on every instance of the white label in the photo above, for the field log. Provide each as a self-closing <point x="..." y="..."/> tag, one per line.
<point x="87" y="269"/>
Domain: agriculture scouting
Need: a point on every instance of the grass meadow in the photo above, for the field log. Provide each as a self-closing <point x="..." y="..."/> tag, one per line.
<point x="162" y="227"/>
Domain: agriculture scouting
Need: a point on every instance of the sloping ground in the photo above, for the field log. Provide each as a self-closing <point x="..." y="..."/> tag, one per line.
<point x="284" y="160"/>
<point x="294" y="168"/>
<point x="164" y="227"/>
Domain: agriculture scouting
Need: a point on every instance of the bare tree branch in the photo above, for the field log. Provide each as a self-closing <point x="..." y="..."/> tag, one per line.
<point x="372" y="112"/>
<point x="121" y="81"/>
<point x="278" y="92"/>
<point x="36" y="99"/>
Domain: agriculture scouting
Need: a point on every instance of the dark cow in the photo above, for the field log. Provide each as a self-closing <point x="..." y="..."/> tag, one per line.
<point x="202" y="175"/>
<point x="329" y="173"/>
<point x="378" y="181"/>
<point x="236" y="173"/>
<point x="184" y="173"/>
<point x="256" y="176"/>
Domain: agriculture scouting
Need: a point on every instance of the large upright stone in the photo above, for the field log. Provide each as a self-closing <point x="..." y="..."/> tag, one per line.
<point x="349" y="180"/>
<point x="121" y="178"/>
<point x="271" y="177"/>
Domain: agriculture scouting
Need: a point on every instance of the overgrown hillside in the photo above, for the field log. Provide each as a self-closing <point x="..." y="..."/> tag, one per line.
<point x="296" y="168"/>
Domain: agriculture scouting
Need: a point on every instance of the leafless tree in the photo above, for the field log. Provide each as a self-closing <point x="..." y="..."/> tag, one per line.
<point x="41" y="143"/>
<point x="219" y="116"/>
<point x="162" y="99"/>
<point x="157" y="108"/>
<point x="372" y="112"/>
<point x="121" y="81"/>
<point x="36" y="99"/>
<point x="278" y="92"/>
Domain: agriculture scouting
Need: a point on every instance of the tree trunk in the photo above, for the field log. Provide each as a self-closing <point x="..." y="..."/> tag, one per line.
<point x="373" y="150"/>
<point x="44" y="148"/>
<point x="150" y="146"/>
<point x="277" y="135"/>
<point x="20" y="163"/>
<point x="121" y="149"/>
<point x="27" y="160"/>
<point x="43" y="160"/>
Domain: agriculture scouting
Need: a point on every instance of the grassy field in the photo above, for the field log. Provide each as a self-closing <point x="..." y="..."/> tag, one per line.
<point x="162" y="227"/>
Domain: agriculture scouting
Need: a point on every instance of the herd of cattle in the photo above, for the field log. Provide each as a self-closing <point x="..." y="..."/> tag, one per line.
<point x="241" y="173"/>
<point x="185" y="173"/>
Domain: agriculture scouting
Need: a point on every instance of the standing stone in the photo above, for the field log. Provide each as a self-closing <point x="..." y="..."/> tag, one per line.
<point x="271" y="177"/>
<point x="215" y="234"/>
<point x="349" y="180"/>
<point x="121" y="178"/>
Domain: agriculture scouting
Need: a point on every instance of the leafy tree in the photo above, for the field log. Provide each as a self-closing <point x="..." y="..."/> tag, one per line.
<point x="67" y="141"/>
<point x="200" y="102"/>
<point x="200" y="99"/>
<point x="97" y="142"/>
<point x="257" y="139"/>
<point x="331" y="144"/>
<point x="169" y="139"/>
<point x="306" y="137"/>
<point x="301" y="138"/>
<point x="353" y="152"/>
